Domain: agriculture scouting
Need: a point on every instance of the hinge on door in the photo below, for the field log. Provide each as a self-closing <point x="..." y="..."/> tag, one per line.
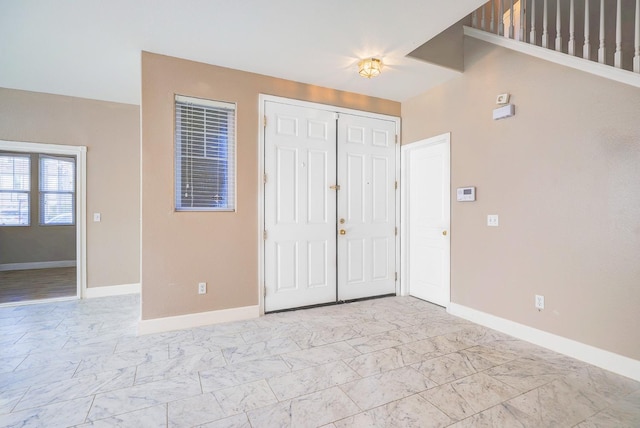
<point x="396" y="185"/>
<point x="264" y="291"/>
<point x="396" y="276"/>
<point x="396" y="231"/>
<point x="264" y="121"/>
<point x="264" y="235"/>
<point x="396" y="138"/>
<point x="264" y="178"/>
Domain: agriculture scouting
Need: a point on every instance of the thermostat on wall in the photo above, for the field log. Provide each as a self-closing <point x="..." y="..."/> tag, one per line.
<point x="466" y="194"/>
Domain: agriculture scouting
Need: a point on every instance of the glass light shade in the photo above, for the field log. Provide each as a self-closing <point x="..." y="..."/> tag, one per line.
<point x="369" y="67"/>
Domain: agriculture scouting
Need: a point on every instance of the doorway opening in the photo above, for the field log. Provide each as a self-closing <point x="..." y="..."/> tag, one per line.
<point x="42" y="224"/>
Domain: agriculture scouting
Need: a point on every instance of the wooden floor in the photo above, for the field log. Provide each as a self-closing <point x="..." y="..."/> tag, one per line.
<point x="36" y="284"/>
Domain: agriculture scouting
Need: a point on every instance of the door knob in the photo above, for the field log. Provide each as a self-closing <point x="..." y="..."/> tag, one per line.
<point x="444" y="233"/>
<point x="343" y="232"/>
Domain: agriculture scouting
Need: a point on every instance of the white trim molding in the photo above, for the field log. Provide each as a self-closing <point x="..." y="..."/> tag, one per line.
<point x="37" y="265"/>
<point x="615" y="363"/>
<point x="592" y="67"/>
<point x="111" y="290"/>
<point x="180" y="322"/>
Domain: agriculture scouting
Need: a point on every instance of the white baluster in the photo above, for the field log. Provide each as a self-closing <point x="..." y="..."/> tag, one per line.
<point x="474" y="19"/>
<point x="636" y="58"/>
<point x="558" y="28"/>
<point x="532" y="33"/>
<point x="602" y="54"/>
<point x="617" y="57"/>
<point x="571" y="47"/>
<point x="491" y="24"/>
<point x="500" y="18"/>
<point x="482" y="19"/>
<point x="523" y="5"/>
<point x="586" y="48"/>
<point x="545" y="32"/>
<point x="511" y="21"/>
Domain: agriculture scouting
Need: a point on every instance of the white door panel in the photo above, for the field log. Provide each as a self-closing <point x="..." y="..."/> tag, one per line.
<point x="366" y="202"/>
<point x="426" y="207"/>
<point x="300" y="209"/>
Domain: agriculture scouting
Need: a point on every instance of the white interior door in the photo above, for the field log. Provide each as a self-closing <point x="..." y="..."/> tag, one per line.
<point x="366" y="207"/>
<point x="300" y="208"/>
<point x="426" y="197"/>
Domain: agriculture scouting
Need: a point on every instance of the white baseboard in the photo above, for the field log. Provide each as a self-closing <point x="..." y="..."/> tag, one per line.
<point x="111" y="290"/>
<point x="616" y="363"/>
<point x="37" y="265"/>
<point x="159" y="325"/>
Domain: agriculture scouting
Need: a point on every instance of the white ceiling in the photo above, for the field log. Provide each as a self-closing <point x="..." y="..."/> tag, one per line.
<point x="91" y="48"/>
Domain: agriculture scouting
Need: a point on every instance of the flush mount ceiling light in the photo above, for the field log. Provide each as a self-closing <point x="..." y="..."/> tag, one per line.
<point x="369" y="67"/>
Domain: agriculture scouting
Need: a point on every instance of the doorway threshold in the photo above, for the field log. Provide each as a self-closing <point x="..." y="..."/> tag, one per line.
<point x="337" y="302"/>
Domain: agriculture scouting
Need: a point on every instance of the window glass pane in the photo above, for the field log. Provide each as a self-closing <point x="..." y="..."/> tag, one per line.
<point x="15" y="183"/>
<point x="56" y="208"/>
<point x="14" y="208"/>
<point x="14" y="172"/>
<point x="205" y="159"/>
<point x="57" y="174"/>
<point x="57" y="190"/>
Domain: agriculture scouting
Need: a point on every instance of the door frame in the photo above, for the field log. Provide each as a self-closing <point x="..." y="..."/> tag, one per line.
<point x="262" y="99"/>
<point x="80" y="153"/>
<point x="404" y="232"/>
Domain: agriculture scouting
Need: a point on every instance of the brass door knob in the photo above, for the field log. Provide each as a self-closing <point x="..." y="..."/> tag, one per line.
<point x="444" y="233"/>
<point x="343" y="232"/>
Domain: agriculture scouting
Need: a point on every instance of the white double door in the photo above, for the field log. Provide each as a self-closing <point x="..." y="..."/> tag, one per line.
<point x="330" y="206"/>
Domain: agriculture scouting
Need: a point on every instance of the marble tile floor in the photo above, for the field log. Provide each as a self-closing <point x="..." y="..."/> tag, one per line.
<point x="391" y="362"/>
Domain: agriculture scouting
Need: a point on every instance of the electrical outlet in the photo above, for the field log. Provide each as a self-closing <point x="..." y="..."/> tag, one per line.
<point x="202" y="288"/>
<point x="539" y="302"/>
<point x="492" y="220"/>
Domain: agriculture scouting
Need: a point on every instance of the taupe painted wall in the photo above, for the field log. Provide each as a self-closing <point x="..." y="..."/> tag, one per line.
<point x="36" y="242"/>
<point x="111" y="133"/>
<point x="563" y="175"/>
<point x="181" y="249"/>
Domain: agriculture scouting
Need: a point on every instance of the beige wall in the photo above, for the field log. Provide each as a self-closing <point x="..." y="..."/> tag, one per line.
<point x="181" y="249"/>
<point x="36" y="242"/>
<point x="111" y="133"/>
<point x="563" y="175"/>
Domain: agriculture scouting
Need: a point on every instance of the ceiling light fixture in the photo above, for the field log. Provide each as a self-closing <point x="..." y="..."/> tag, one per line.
<point x="370" y="67"/>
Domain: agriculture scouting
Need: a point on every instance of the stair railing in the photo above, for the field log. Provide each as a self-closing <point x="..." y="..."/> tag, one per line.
<point x="511" y="19"/>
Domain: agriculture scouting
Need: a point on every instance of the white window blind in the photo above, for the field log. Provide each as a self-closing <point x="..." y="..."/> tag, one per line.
<point x="15" y="187"/>
<point x="57" y="190"/>
<point x="205" y="143"/>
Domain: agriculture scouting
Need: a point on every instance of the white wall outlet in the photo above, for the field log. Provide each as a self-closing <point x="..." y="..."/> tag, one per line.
<point x="492" y="220"/>
<point x="97" y="217"/>
<point x="202" y="288"/>
<point x="539" y="302"/>
<point x="502" y="99"/>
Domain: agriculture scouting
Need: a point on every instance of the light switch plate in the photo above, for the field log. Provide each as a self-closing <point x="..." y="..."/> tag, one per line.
<point x="97" y="217"/>
<point x="492" y="220"/>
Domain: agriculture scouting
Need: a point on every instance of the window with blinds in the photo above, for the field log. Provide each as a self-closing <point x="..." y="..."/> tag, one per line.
<point x="205" y="155"/>
<point x="57" y="190"/>
<point x="15" y="187"/>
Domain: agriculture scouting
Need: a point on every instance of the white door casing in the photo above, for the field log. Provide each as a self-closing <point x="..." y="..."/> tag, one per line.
<point x="366" y="207"/>
<point x="300" y="245"/>
<point x="426" y="191"/>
